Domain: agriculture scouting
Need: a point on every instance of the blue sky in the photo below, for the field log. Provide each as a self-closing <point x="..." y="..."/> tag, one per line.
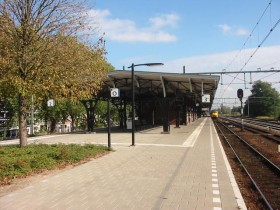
<point x="202" y="35"/>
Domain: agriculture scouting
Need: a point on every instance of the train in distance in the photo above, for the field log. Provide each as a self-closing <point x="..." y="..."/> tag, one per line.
<point x="214" y="114"/>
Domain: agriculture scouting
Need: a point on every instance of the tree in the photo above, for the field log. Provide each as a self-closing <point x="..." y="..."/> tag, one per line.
<point x="264" y="100"/>
<point x="7" y="115"/>
<point x="76" y="112"/>
<point x="64" y="109"/>
<point x="225" y="110"/>
<point x="236" y="110"/>
<point x="41" y="54"/>
<point x="101" y="114"/>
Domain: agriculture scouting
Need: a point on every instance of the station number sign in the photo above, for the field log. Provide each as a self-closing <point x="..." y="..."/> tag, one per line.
<point x="50" y="103"/>
<point x="115" y="92"/>
<point x="206" y="98"/>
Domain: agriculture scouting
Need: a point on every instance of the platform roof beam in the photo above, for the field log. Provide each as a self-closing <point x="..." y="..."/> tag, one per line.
<point x="163" y="86"/>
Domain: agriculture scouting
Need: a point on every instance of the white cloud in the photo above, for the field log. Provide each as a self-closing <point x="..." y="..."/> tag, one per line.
<point x="164" y="20"/>
<point x="236" y="31"/>
<point x="125" y="30"/>
<point x="225" y="28"/>
<point x="242" y="32"/>
<point x="266" y="58"/>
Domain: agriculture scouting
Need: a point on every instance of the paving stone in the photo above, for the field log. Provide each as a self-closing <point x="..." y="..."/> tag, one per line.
<point x="158" y="173"/>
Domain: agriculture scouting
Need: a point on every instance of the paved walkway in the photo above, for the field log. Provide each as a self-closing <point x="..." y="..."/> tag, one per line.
<point x="186" y="169"/>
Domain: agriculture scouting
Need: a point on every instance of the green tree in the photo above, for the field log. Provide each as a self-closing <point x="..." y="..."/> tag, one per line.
<point x="225" y="110"/>
<point x="77" y="113"/>
<point x="41" y="56"/>
<point x="64" y="109"/>
<point x="7" y="115"/>
<point x="101" y="114"/>
<point x="264" y="100"/>
<point x="236" y="110"/>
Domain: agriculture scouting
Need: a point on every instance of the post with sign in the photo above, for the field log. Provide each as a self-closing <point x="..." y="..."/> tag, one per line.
<point x="240" y="96"/>
<point x="109" y="118"/>
<point x="113" y="93"/>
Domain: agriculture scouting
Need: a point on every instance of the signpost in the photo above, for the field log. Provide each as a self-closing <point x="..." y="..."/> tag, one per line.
<point x="114" y="93"/>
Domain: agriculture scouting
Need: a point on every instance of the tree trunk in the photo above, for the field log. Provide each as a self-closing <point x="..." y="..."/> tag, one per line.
<point x="22" y="121"/>
<point x="53" y="125"/>
<point x="73" y="123"/>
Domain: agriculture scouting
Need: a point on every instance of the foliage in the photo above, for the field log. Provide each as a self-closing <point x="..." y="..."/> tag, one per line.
<point x="77" y="114"/>
<point x="264" y="101"/>
<point x="42" y="56"/>
<point x="236" y="110"/>
<point x="7" y="109"/>
<point x="64" y="109"/>
<point x="18" y="162"/>
<point x="225" y="110"/>
<point x="101" y="113"/>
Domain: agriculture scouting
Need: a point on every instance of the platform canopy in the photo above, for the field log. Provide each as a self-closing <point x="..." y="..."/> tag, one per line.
<point x="195" y="87"/>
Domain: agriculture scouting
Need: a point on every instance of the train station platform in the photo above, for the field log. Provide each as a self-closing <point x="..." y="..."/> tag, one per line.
<point x="186" y="169"/>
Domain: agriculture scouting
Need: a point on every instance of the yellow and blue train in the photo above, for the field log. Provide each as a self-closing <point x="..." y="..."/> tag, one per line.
<point x="214" y="114"/>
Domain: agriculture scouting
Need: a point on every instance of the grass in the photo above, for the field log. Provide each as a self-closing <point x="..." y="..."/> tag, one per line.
<point x="20" y="162"/>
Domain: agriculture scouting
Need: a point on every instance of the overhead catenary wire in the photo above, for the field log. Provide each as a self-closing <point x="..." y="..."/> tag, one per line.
<point x="243" y="80"/>
<point x="252" y="55"/>
<point x="272" y="68"/>
<point x="250" y="35"/>
<point x="258" y="47"/>
<point x="268" y="75"/>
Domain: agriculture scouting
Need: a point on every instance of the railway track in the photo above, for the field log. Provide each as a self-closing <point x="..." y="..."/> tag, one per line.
<point x="264" y="175"/>
<point x="272" y="122"/>
<point x="260" y="130"/>
<point x="266" y="126"/>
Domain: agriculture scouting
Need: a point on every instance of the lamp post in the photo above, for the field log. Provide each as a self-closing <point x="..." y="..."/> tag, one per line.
<point x="133" y="95"/>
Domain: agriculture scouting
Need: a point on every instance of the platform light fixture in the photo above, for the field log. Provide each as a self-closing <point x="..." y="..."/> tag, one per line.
<point x="133" y="95"/>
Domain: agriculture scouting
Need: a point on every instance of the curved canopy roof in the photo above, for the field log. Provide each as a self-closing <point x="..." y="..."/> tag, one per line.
<point x="192" y="86"/>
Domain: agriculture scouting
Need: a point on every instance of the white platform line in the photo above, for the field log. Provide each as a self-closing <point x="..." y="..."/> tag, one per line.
<point x="31" y="139"/>
<point x="190" y="141"/>
<point x="129" y="144"/>
<point x="216" y="200"/>
<point x="215" y="181"/>
<point x="216" y="192"/>
<point x="237" y="193"/>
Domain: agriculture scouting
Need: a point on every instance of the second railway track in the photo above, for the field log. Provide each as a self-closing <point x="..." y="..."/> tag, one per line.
<point x="263" y="173"/>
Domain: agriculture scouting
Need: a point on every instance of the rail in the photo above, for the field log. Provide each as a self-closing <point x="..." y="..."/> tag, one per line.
<point x="258" y="168"/>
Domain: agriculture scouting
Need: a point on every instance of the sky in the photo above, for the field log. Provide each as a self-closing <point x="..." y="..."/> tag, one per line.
<point x="203" y="36"/>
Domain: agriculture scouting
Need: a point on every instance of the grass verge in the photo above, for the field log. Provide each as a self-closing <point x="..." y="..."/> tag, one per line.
<point x="20" y="162"/>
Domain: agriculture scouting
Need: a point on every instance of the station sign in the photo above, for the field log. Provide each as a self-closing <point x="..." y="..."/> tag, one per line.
<point x="115" y="92"/>
<point x="206" y="98"/>
<point x="50" y="103"/>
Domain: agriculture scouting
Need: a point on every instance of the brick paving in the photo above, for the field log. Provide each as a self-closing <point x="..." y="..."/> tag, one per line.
<point x="160" y="172"/>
